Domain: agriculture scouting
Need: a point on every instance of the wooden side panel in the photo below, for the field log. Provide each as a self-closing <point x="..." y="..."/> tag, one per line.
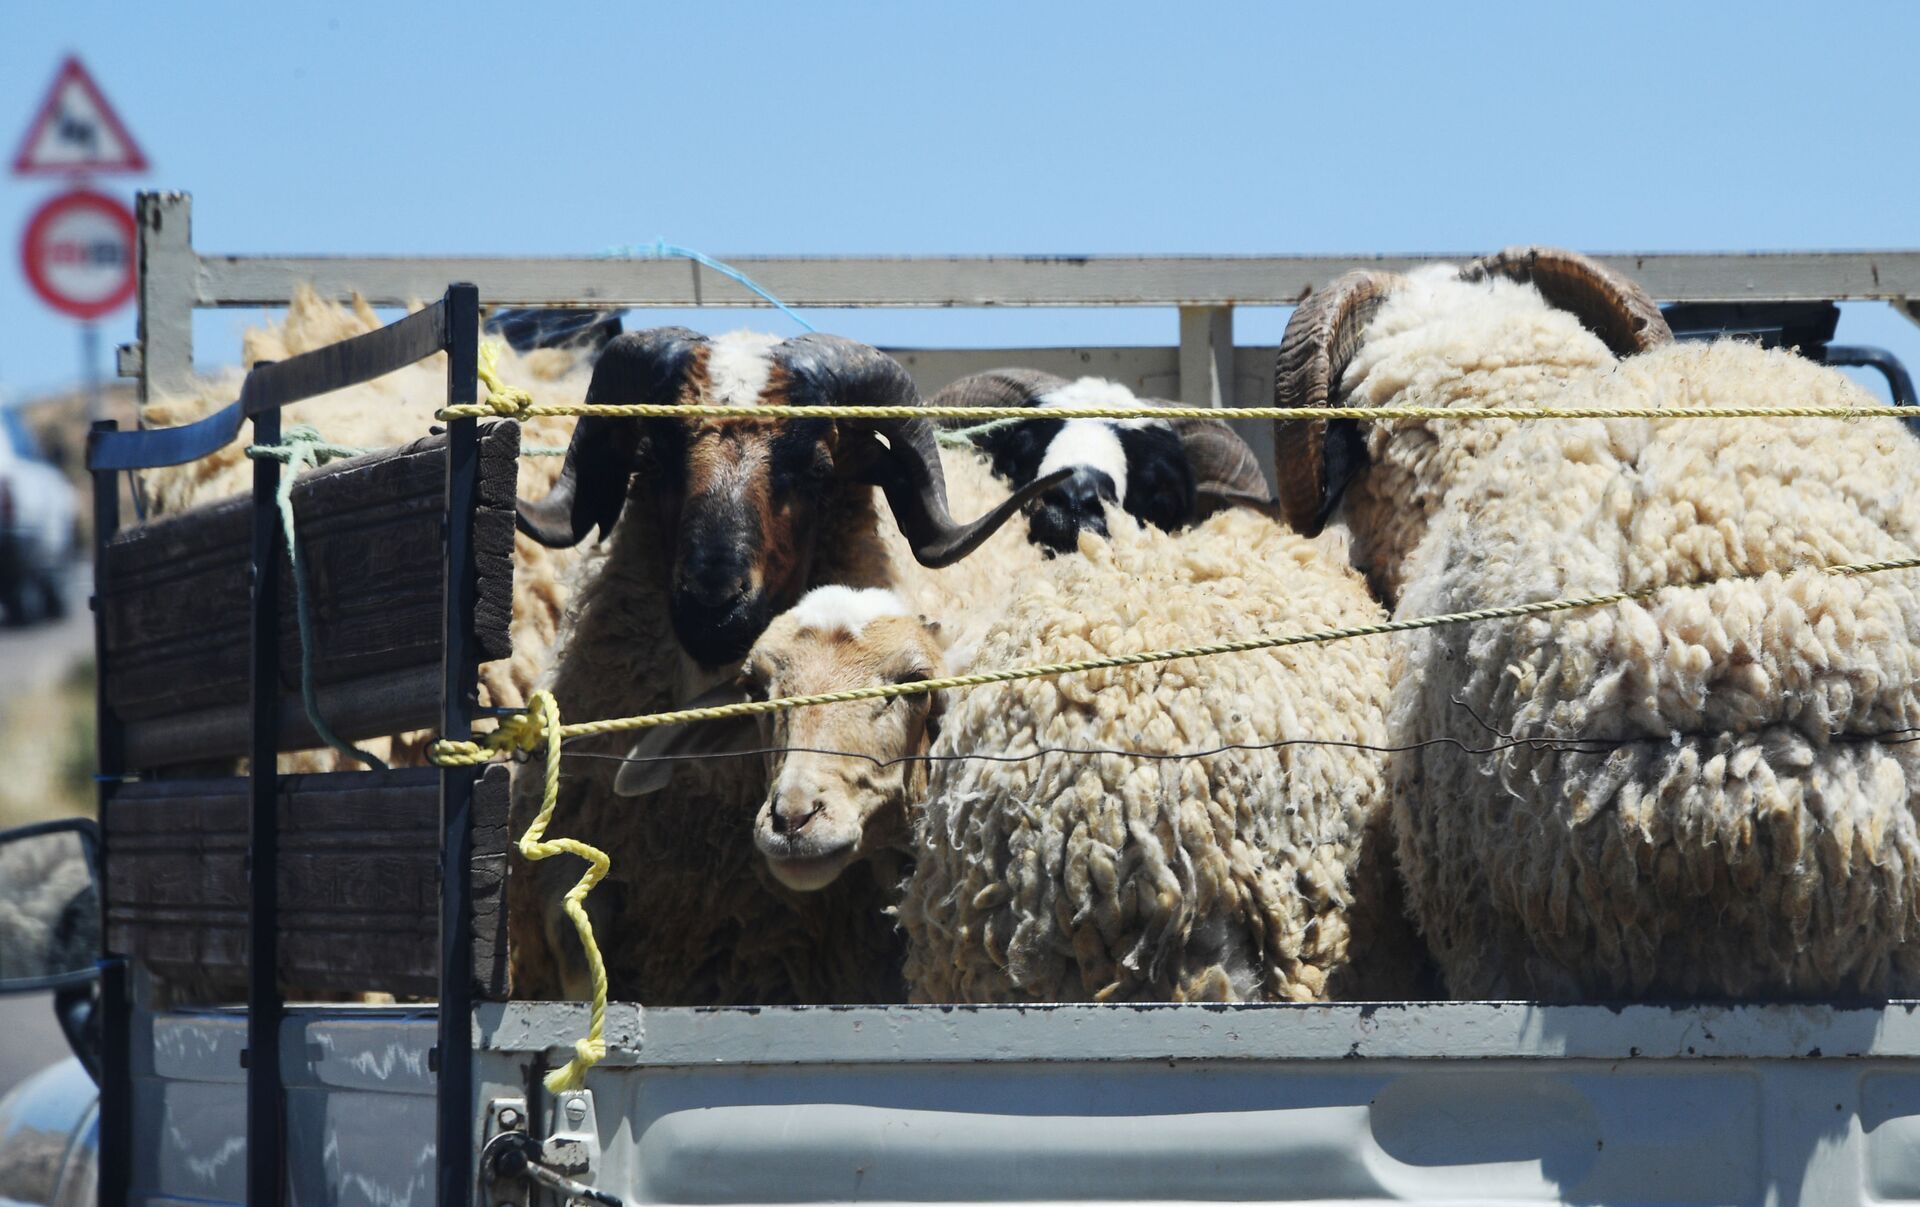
<point x="173" y="594"/>
<point x="359" y="882"/>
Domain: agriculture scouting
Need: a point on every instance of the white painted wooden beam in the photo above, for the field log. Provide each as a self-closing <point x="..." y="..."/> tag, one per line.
<point x="995" y="281"/>
<point x="169" y="291"/>
<point x="1206" y="356"/>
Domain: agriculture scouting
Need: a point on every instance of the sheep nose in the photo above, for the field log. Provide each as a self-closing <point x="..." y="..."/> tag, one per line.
<point x="712" y="582"/>
<point x="1081" y="494"/>
<point x="719" y="591"/>
<point x="791" y="819"/>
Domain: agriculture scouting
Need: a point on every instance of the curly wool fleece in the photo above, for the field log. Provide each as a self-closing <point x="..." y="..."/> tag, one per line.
<point x="1074" y="877"/>
<point x="1736" y="817"/>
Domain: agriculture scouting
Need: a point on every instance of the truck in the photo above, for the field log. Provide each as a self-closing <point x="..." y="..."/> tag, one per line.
<point x="393" y="881"/>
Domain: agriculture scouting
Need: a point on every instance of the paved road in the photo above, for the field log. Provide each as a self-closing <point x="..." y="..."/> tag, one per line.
<point x="35" y="655"/>
<point x="32" y="658"/>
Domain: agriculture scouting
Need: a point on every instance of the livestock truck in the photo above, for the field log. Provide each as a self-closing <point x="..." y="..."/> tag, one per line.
<point x="392" y="882"/>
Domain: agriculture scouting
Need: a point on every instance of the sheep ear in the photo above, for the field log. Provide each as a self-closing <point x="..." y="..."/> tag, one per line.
<point x="652" y="759"/>
<point x="936" y="713"/>
<point x="920" y="772"/>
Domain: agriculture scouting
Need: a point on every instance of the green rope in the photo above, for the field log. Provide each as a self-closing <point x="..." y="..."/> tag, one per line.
<point x="302" y="448"/>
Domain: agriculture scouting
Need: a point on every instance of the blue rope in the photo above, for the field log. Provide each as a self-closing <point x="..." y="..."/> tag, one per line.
<point x="660" y="249"/>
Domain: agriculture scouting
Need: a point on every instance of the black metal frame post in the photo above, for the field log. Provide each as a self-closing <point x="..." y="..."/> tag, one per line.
<point x="454" y="1133"/>
<point x="451" y="325"/>
<point x="266" y="1146"/>
<point x="115" y="1005"/>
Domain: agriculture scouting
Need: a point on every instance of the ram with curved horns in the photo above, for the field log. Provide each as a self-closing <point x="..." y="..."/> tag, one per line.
<point x="1168" y="473"/>
<point x="712" y="527"/>
<point x="1700" y="792"/>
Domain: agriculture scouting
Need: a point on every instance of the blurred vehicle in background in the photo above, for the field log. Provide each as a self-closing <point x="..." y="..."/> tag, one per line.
<point x="38" y="509"/>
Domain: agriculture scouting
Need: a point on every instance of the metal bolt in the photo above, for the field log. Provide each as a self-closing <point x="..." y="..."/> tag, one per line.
<point x="509" y="1118"/>
<point x="576" y="1111"/>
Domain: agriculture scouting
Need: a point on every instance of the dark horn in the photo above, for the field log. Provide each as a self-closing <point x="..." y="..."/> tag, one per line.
<point x="829" y="370"/>
<point x="1225" y="469"/>
<point x="638" y="367"/>
<point x="995" y="388"/>
<point x="1321" y="338"/>
<point x="1607" y="303"/>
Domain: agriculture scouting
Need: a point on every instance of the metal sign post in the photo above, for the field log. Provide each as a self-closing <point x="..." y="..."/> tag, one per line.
<point x="78" y="249"/>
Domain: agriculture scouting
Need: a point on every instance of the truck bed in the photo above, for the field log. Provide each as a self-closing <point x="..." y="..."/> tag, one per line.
<point x="1405" y="1102"/>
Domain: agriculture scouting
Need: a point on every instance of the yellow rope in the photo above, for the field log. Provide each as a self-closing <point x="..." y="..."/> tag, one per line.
<point x="515" y="736"/>
<point x="502" y="399"/>
<point x="512" y="403"/>
<point x="526" y="733"/>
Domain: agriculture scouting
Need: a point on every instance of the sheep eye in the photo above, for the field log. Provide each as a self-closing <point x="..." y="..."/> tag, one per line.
<point x="752" y="685"/>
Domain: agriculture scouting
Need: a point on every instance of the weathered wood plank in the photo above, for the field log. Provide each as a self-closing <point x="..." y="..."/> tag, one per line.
<point x="999" y="280"/>
<point x="371" y="707"/>
<point x="173" y="595"/>
<point x="359" y="876"/>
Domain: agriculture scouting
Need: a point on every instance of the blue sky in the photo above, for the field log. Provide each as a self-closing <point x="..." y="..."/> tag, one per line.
<point x="985" y="127"/>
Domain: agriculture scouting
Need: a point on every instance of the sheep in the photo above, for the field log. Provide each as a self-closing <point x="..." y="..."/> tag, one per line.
<point x="715" y="526"/>
<point x="1246" y="873"/>
<point x="387" y="411"/>
<point x="1163" y="473"/>
<point x="1705" y="794"/>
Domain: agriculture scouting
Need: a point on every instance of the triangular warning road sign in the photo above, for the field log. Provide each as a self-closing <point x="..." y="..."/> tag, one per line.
<point x="76" y="131"/>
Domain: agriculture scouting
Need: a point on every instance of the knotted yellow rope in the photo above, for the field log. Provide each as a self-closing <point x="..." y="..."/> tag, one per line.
<point x="540" y="726"/>
<point x="502" y="399"/>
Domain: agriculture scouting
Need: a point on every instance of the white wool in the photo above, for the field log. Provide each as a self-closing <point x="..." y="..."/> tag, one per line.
<point x="738" y="367"/>
<point x="1254" y="873"/>
<point x="846" y="609"/>
<point x="1719" y="812"/>
<point x="1099" y="392"/>
<point x="1092" y="443"/>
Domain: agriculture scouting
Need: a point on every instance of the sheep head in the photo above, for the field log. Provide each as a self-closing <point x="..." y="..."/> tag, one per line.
<point x="739" y="500"/>
<point x="824" y="810"/>
<point x="1315" y="459"/>
<point x="1167" y="474"/>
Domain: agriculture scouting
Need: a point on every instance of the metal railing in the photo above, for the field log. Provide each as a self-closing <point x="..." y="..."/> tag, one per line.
<point x="450" y="325"/>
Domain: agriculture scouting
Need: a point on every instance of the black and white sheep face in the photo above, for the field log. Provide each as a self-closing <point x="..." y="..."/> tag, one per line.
<point x="1138" y="465"/>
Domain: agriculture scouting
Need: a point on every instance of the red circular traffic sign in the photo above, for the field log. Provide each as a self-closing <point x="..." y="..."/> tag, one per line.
<point x="78" y="253"/>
